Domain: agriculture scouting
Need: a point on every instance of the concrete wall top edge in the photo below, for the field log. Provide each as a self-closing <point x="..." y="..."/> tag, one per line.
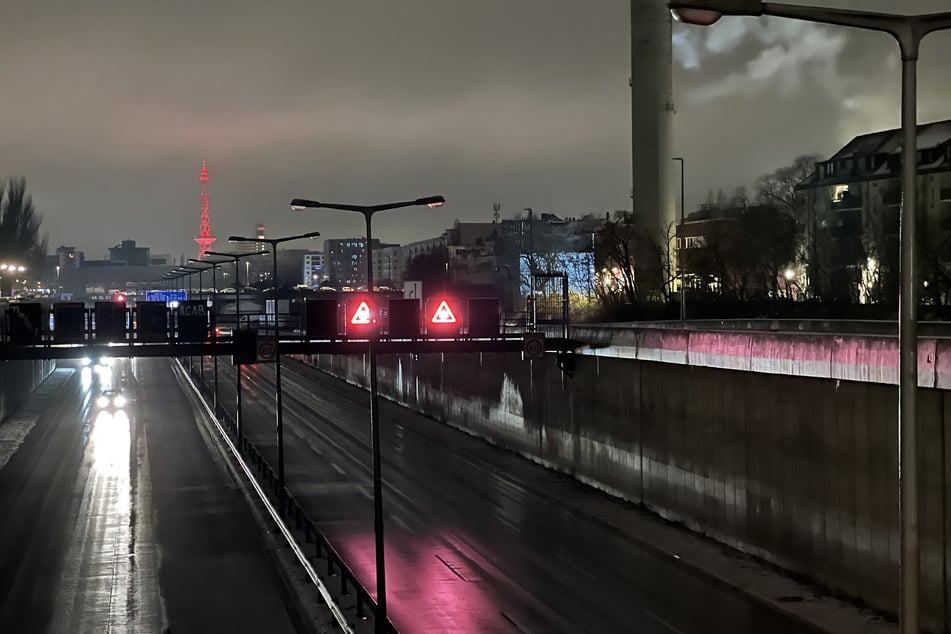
<point x="864" y="358"/>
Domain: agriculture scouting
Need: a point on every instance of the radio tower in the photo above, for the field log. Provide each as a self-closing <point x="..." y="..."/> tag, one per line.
<point x="204" y="239"/>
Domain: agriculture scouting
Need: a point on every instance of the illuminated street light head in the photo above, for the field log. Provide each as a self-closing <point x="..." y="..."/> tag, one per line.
<point x="432" y="201"/>
<point x="707" y="12"/>
<point x="299" y="204"/>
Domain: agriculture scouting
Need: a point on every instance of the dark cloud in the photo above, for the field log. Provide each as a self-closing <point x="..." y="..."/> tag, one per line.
<point x="110" y="107"/>
<point x="760" y="91"/>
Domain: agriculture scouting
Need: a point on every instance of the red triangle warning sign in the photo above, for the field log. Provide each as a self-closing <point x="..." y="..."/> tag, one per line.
<point x="361" y="316"/>
<point x="444" y="314"/>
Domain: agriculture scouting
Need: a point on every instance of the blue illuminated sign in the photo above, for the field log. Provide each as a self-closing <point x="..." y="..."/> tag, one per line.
<point x="165" y="296"/>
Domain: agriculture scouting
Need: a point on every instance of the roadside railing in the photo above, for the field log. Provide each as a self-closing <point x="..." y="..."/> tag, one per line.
<point x="294" y="515"/>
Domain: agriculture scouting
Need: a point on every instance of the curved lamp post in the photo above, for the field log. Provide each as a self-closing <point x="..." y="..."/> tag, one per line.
<point x="190" y="270"/>
<point x="278" y="416"/>
<point x="214" y="264"/>
<point x="908" y="31"/>
<point x="298" y="204"/>
<point x="237" y="324"/>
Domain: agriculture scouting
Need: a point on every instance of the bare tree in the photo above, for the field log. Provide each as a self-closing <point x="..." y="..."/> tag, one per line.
<point x="429" y="268"/>
<point x="624" y="244"/>
<point x="771" y="245"/>
<point x="778" y="188"/>
<point x="20" y="239"/>
<point x="671" y="263"/>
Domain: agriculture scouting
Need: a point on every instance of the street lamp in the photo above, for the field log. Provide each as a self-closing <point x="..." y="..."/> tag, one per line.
<point x="13" y="269"/>
<point x="214" y="289"/>
<point x="680" y="262"/>
<point x="169" y="278"/>
<point x="908" y="31"/>
<point x="189" y="270"/>
<point x="531" y="267"/>
<point x="278" y="416"/>
<point x="176" y="276"/>
<point x="368" y="211"/>
<point x="195" y="269"/>
<point x="237" y="324"/>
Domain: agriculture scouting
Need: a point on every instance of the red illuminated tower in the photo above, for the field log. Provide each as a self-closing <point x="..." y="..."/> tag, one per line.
<point x="204" y="239"/>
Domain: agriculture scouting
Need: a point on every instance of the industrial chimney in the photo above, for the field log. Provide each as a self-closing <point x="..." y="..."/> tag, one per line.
<point x="652" y="110"/>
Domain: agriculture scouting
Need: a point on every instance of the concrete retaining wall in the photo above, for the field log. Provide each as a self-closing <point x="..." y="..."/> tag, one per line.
<point x="18" y="379"/>
<point x="849" y="357"/>
<point x="798" y="470"/>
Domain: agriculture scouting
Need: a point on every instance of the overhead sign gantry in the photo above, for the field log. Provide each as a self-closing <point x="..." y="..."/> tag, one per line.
<point x="189" y="328"/>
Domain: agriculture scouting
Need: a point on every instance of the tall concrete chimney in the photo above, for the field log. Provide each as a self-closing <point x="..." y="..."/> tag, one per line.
<point x="652" y="109"/>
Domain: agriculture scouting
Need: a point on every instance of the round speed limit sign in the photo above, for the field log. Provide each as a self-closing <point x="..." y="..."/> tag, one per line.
<point x="534" y="346"/>
<point x="267" y="351"/>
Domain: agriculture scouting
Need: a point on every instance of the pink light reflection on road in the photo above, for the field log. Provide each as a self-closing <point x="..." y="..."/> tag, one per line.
<point x="430" y="586"/>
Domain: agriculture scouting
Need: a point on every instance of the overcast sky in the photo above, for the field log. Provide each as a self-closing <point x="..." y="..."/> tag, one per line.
<point x="109" y="108"/>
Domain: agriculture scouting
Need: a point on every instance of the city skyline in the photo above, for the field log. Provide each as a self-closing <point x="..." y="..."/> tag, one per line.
<point x="527" y="106"/>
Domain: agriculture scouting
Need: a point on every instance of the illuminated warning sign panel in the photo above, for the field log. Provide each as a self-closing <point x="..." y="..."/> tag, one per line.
<point x="443" y="314"/>
<point x="362" y="316"/>
<point x="444" y="317"/>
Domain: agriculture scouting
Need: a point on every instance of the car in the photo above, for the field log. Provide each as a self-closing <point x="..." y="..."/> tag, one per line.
<point x="111" y="400"/>
<point x="96" y="363"/>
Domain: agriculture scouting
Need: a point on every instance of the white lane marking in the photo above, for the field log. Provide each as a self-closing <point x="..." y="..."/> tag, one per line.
<point x="518" y="626"/>
<point x="662" y="622"/>
<point x="337" y="468"/>
<point x="399" y="522"/>
<point x="574" y="566"/>
<point x="366" y="493"/>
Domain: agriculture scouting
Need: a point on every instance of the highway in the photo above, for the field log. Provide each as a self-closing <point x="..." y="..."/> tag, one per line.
<point x="478" y="539"/>
<point x="121" y="519"/>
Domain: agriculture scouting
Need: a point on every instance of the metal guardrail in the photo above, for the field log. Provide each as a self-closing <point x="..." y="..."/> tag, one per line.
<point x="290" y="510"/>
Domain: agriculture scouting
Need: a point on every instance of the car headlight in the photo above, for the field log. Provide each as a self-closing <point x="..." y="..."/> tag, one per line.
<point x="102" y="401"/>
<point x="86" y="361"/>
<point x="119" y="401"/>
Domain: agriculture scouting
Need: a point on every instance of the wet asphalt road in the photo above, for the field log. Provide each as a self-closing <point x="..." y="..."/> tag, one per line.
<point x="119" y="519"/>
<point x="478" y="540"/>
